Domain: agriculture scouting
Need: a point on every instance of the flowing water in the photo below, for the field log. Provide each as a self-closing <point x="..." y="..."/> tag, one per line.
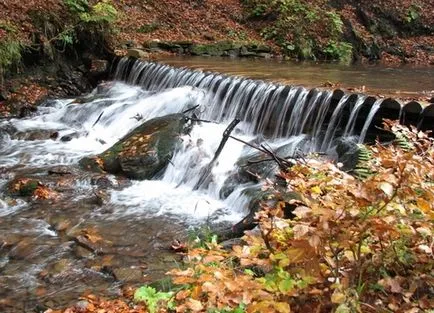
<point x="51" y="251"/>
<point x="395" y="81"/>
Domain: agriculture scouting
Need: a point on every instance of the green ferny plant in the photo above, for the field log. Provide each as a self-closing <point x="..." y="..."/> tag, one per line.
<point x="154" y="299"/>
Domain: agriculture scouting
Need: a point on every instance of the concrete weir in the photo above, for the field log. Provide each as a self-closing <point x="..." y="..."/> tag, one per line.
<point x="276" y="110"/>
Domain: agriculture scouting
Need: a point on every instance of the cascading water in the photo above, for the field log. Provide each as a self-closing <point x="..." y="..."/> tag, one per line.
<point x="275" y="112"/>
<point x="287" y="118"/>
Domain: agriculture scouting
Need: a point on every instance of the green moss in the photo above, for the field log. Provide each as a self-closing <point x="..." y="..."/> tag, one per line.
<point x="10" y="53"/>
<point x="342" y="51"/>
<point x="215" y="49"/>
<point x="148" y="28"/>
<point x="10" y="46"/>
<point x="301" y="28"/>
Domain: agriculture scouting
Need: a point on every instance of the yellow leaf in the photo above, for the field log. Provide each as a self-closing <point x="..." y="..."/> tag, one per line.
<point x="316" y="190"/>
<point x="338" y="297"/>
<point x="423" y="205"/>
<point x="282" y="307"/>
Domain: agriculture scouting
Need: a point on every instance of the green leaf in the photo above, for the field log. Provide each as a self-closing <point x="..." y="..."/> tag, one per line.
<point x="153" y="298"/>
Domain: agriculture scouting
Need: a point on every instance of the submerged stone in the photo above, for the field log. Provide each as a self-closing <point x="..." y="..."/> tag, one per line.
<point x="145" y="151"/>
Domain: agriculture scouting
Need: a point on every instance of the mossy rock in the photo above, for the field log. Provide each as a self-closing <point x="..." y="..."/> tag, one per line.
<point x="215" y="49"/>
<point x="22" y="187"/>
<point x="211" y="50"/>
<point x="145" y="151"/>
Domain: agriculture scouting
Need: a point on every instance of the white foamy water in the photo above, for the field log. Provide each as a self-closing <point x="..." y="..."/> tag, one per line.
<point x="116" y="110"/>
<point x="100" y="119"/>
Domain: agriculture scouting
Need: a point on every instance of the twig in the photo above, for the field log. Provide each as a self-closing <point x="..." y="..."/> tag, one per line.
<point x="205" y="173"/>
<point x="283" y="163"/>
<point x="97" y="120"/>
<point x="200" y="120"/>
<point x="190" y="109"/>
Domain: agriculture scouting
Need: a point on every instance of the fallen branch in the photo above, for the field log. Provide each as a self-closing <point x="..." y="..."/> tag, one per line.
<point x="282" y="162"/>
<point x="190" y="109"/>
<point x="97" y="120"/>
<point x="206" y="172"/>
<point x="200" y="120"/>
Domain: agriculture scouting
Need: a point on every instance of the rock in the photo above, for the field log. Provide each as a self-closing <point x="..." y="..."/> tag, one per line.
<point x="258" y="48"/>
<point x="9" y="240"/>
<point x="185" y="44"/>
<point x="137" y="53"/>
<point x="153" y="45"/>
<point x="208" y="36"/>
<point x="220" y="48"/>
<point x="82" y="253"/>
<point x="82" y="306"/>
<point x="36" y="135"/>
<point x="25" y="249"/>
<point x="98" y="67"/>
<point x="23" y="187"/>
<point x="170" y="46"/>
<point x="210" y="50"/>
<point x="102" y="181"/>
<point x="59" y="267"/>
<point x="145" y="151"/>
<point x="128" y="274"/>
<point x="244" y="52"/>
<point x="60" y="223"/>
<point x="228" y="244"/>
<point x="69" y="137"/>
<point x="60" y="170"/>
<point x="264" y="55"/>
<point x="347" y="153"/>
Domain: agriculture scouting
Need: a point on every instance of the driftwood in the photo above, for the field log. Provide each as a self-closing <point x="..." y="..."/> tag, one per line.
<point x="206" y="172"/>
<point x="283" y="163"/>
<point x="190" y="109"/>
<point x="97" y="120"/>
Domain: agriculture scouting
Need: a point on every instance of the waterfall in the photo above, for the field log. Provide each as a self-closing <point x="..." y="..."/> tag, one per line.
<point x="375" y="107"/>
<point x="266" y="109"/>
<point x="288" y="119"/>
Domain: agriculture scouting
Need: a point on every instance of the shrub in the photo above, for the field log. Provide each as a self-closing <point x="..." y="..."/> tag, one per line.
<point x="355" y="245"/>
<point x="97" y="18"/>
<point x="303" y="29"/>
<point x="10" y="48"/>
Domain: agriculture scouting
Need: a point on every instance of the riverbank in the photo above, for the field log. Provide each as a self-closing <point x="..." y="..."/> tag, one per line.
<point x="44" y="42"/>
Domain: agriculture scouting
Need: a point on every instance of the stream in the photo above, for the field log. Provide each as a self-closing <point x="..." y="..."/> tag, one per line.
<point x="100" y="232"/>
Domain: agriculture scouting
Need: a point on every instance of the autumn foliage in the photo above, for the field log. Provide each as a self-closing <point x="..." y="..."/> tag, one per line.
<point x="354" y="246"/>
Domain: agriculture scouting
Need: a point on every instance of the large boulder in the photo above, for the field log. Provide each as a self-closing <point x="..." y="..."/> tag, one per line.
<point x="145" y="151"/>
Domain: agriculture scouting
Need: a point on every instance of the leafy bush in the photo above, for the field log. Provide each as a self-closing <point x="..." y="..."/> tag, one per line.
<point x="10" y="52"/>
<point x="102" y="12"/>
<point x="303" y="29"/>
<point x="10" y="47"/>
<point x="355" y="244"/>
<point x="413" y="13"/>
<point x="77" y="6"/>
<point x="97" y="18"/>
<point x="342" y="51"/>
<point x="154" y="299"/>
